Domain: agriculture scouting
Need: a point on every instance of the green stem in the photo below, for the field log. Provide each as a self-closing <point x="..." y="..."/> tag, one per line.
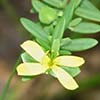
<point x="4" y="93"/>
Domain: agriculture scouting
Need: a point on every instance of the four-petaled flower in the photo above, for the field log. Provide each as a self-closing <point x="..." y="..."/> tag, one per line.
<point x="44" y="63"/>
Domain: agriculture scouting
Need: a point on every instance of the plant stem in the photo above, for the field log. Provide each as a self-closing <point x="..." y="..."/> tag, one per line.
<point x="4" y="93"/>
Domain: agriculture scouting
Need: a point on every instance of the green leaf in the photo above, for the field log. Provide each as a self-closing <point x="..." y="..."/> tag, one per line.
<point x="59" y="29"/>
<point x="47" y="15"/>
<point x="86" y="28"/>
<point x="27" y="78"/>
<point x="88" y="11"/>
<point x="56" y="3"/>
<point x="72" y="71"/>
<point x="43" y="44"/>
<point x="65" y="41"/>
<point x="27" y="58"/>
<point x="37" y="5"/>
<point x="80" y="44"/>
<point x="77" y="3"/>
<point x="43" y="10"/>
<point x="88" y="4"/>
<point x="57" y="35"/>
<point x="55" y="47"/>
<point x="35" y="30"/>
<point x="68" y="13"/>
<point x="49" y="29"/>
<point x="65" y="52"/>
<point x="75" y="22"/>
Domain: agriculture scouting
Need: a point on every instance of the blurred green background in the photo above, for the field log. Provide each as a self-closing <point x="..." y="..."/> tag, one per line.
<point x="44" y="87"/>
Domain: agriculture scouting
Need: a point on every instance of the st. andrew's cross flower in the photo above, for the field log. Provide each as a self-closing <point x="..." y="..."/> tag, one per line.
<point x="44" y="63"/>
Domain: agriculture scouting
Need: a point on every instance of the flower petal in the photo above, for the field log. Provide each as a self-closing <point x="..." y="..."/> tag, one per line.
<point x="30" y="69"/>
<point x="64" y="78"/>
<point x="33" y="49"/>
<point x="70" y="61"/>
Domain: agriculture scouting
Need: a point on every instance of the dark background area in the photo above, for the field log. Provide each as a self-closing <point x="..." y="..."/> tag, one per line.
<point x="43" y="87"/>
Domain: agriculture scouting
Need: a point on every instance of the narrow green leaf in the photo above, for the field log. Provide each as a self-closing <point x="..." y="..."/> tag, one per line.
<point x="88" y="4"/>
<point x="27" y="78"/>
<point x="35" y="30"/>
<point x="65" y="41"/>
<point x="47" y="15"/>
<point x="88" y="11"/>
<point x="88" y="14"/>
<point x="86" y="28"/>
<point x="75" y="22"/>
<point x="72" y="71"/>
<point x="57" y="35"/>
<point x="56" y="3"/>
<point x="65" y="52"/>
<point x="77" y="3"/>
<point x="43" y="44"/>
<point x="55" y="47"/>
<point x="49" y="29"/>
<point x="38" y="5"/>
<point x="68" y="13"/>
<point x="59" y="29"/>
<point x="27" y="58"/>
<point x="80" y="44"/>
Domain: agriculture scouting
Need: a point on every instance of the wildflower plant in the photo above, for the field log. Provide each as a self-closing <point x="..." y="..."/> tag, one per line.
<point x="58" y="32"/>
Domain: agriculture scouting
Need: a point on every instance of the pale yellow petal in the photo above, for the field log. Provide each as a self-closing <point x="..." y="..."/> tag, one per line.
<point x="64" y="78"/>
<point x="33" y="49"/>
<point x="29" y="69"/>
<point x="45" y="61"/>
<point x="70" y="61"/>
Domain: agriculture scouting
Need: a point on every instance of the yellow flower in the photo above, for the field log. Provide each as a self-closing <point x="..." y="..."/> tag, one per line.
<point x="44" y="63"/>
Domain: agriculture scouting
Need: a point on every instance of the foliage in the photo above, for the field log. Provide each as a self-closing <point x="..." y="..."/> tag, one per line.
<point x="59" y="16"/>
<point x="55" y="18"/>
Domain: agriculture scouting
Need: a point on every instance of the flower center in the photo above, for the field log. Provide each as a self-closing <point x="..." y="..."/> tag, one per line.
<point x="51" y="63"/>
<point x="46" y="61"/>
